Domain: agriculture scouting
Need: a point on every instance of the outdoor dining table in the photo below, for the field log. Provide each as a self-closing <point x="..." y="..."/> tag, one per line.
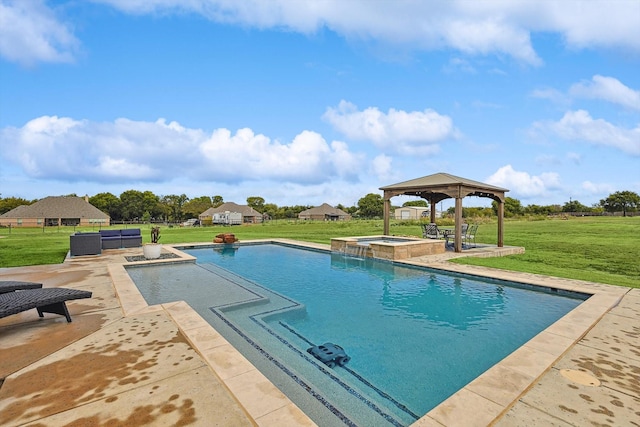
<point x="449" y="233"/>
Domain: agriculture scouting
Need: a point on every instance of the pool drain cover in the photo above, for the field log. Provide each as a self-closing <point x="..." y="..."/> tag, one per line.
<point x="580" y="377"/>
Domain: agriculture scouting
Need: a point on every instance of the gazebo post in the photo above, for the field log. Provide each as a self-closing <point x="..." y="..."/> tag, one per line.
<point x="387" y="213"/>
<point x="500" y="223"/>
<point x="458" y="241"/>
<point x="432" y="215"/>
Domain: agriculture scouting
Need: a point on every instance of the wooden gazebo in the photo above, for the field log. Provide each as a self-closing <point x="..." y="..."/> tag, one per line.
<point x="437" y="187"/>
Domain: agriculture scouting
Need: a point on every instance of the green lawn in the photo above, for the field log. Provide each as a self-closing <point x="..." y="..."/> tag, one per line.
<point x="598" y="249"/>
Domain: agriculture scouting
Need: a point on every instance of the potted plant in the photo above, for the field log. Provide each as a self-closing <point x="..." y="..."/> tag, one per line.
<point x="152" y="250"/>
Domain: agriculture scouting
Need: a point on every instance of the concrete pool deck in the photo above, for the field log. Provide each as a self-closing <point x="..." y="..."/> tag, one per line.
<point x="121" y="362"/>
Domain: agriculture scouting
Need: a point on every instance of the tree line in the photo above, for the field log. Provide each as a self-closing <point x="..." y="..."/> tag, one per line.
<point x="145" y="206"/>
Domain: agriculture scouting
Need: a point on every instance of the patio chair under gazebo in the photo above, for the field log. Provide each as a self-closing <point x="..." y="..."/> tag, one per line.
<point x="437" y="187"/>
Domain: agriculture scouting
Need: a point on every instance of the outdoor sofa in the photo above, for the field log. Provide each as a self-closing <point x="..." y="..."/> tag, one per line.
<point x="126" y="238"/>
<point x="45" y="300"/>
<point x="85" y="244"/>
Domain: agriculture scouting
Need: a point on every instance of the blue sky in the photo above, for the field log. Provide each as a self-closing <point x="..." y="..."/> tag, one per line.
<point x="306" y="102"/>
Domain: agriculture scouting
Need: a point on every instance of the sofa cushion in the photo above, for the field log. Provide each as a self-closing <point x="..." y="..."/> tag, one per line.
<point x="130" y="232"/>
<point x="110" y="233"/>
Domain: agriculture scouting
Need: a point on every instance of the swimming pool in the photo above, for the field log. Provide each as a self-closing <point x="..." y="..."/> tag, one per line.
<point x="414" y="335"/>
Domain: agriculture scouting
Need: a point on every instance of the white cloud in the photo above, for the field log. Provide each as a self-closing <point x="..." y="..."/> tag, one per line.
<point x="50" y="147"/>
<point x="459" y="64"/>
<point x="308" y="158"/>
<point x="586" y="24"/>
<point x="418" y="25"/>
<point x="486" y="35"/>
<point x="579" y="125"/>
<point x="552" y="95"/>
<point x="609" y="89"/>
<point x="405" y="132"/>
<point x="597" y="189"/>
<point x="473" y="27"/>
<point x="30" y="32"/>
<point x="521" y="184"/>
<point x="381" y="167"/>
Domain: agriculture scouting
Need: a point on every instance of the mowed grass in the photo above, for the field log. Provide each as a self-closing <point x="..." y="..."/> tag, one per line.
<point x="598" y="249"/>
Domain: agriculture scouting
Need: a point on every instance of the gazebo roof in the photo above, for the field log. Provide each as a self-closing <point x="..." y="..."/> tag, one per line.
<point x="441" y="179"/>
<point x="440" y="186"/>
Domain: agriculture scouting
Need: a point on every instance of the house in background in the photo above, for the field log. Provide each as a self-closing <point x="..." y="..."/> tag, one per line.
<point x="247" y="213"/>
<point x="54" y="211"/>
<point x="411" y="212"/>
<point x="325" y="212"/>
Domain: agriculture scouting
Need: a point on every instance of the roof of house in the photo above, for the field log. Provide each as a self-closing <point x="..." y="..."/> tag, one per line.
<point x="57" y="207"/>
<point x="232" y="207"/>
<point x="324" y="209"/>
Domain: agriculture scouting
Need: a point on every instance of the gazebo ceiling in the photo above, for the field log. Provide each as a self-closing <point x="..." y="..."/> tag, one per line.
<point x="441" y="186"/>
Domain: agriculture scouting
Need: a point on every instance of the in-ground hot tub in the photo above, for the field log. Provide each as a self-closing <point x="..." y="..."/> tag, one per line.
<point x="387" y="247"/>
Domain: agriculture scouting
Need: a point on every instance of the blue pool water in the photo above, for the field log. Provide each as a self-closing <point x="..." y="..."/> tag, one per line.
<point x="415" y="336"/>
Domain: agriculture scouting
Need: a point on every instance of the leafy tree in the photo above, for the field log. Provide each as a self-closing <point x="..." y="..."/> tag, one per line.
<point x="575" y="206"/>
<point x="217" y="201"/>
<point x="350" y="210"/>
<point x="9" y="203"/>
<point x="136" y="203"/>
<point x="132" y="204"/>
<point x="256" y="203"/>
<point x="420" y="203"/>
<point x="472" y="212"/>
<point x="270" y="209"/>
<point x="195" y="207"/>
<point x="152" y="204"/>
<point x="108" y="203"/>
<point x="173" y="206"/>
<point x="476" y="212"/>
<point x="371" y="206"/>
<point x="291" y="212"/>
<point x="536" y="210"/>
<point x="512" y="207"/>
<point x="625" y="201"/>
<point x="554" y="209"/>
